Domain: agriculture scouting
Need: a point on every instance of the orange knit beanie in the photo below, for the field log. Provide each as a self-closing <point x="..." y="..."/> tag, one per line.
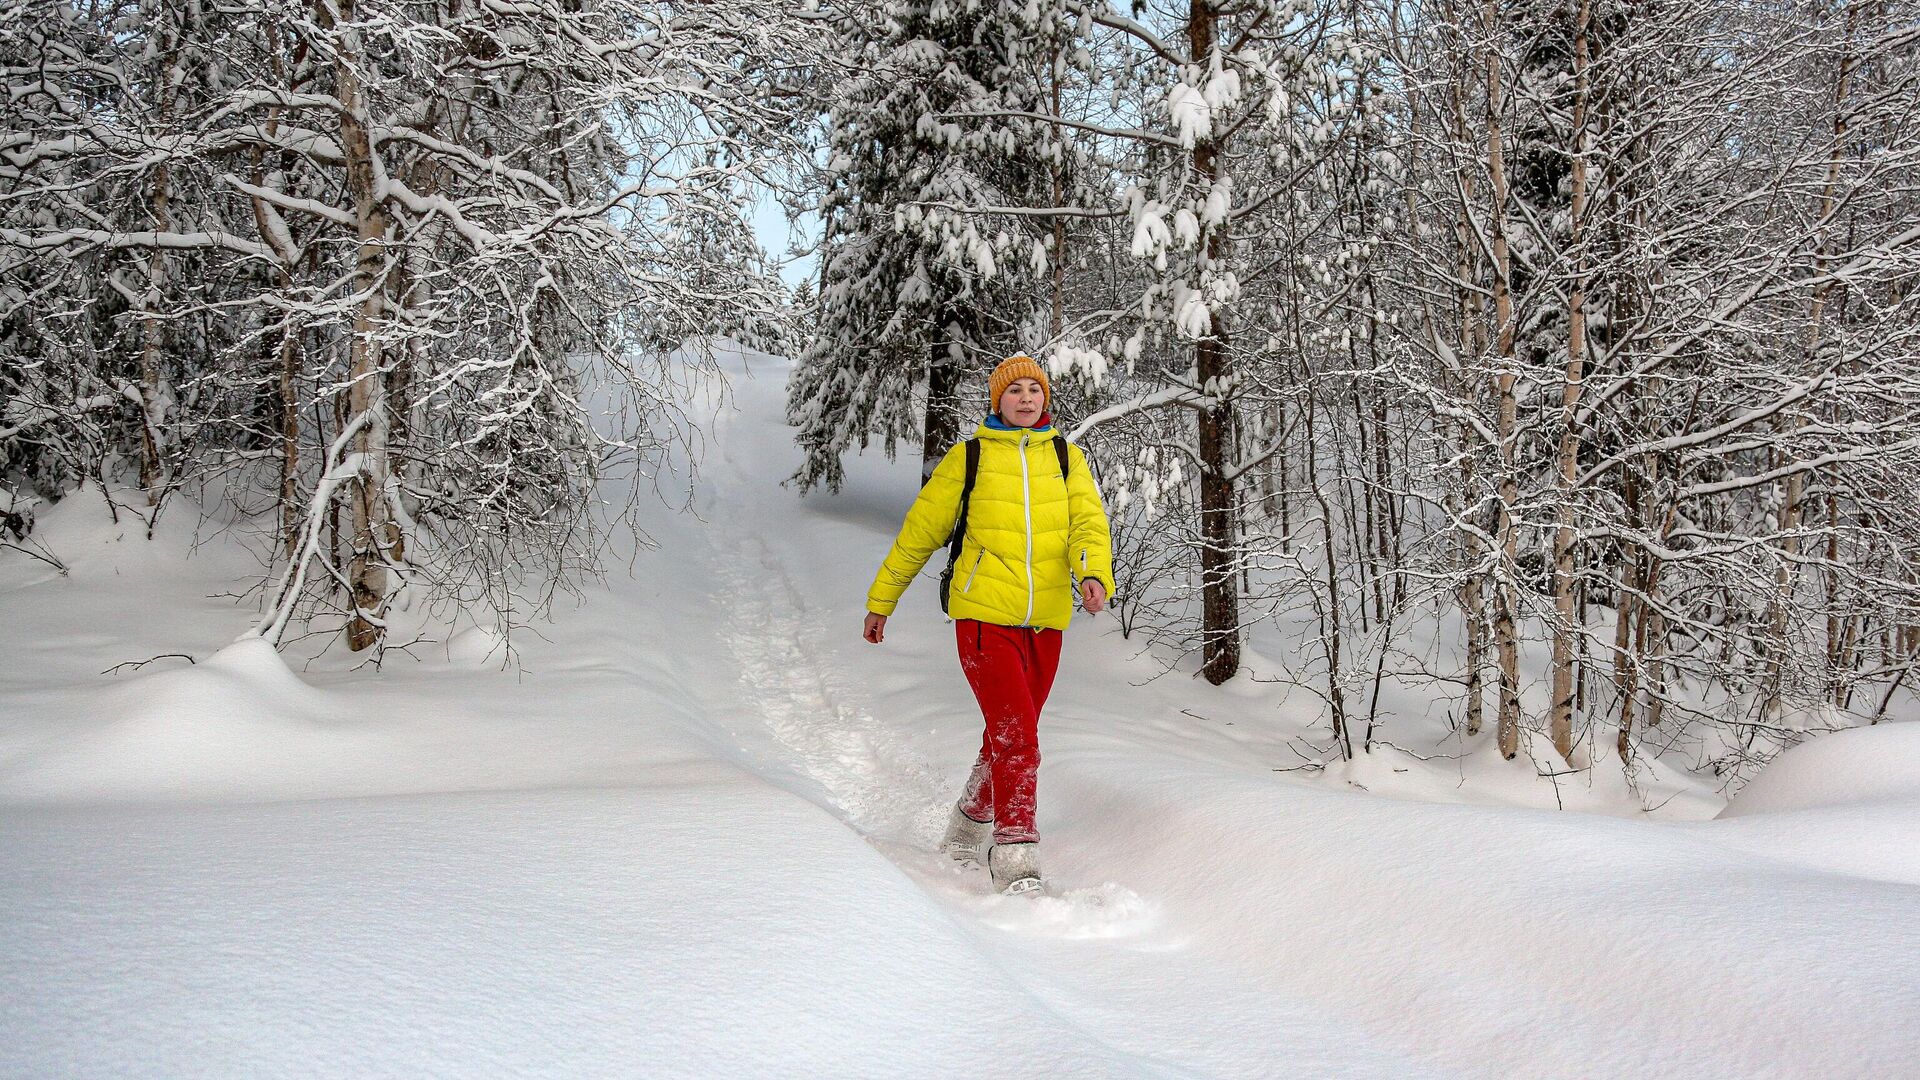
<point x="1017" y="367"/>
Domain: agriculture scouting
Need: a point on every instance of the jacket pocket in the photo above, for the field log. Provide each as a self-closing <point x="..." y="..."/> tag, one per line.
<point x="968" y="584"/>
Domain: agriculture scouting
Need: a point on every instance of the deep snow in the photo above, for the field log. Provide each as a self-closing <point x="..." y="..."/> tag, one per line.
<point x="692" y="836"/>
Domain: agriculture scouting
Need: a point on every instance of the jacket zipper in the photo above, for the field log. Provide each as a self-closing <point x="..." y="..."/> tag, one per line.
<point x="1026" y="505"/>
<point x="974" y="570"/>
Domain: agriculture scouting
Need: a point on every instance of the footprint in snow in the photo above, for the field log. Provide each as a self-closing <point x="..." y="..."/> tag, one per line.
<point x="1108" y="910"/>
<point x="1101" y="911"/>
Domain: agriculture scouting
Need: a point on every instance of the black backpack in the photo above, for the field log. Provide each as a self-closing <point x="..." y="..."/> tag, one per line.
<point x="966" y="496"/>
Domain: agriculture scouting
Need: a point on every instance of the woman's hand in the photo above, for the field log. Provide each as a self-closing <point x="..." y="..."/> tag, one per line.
<point x="876" y="628"/>
<point x="1093" y="595"/>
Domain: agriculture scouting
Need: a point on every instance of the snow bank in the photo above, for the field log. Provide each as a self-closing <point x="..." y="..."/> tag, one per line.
<point x="1495" y="942"/>
<point x="1857" y="765"/>
<point x="1846" y="802"/>
<point x="696" y="924"/>
<point x="232" y="726"/>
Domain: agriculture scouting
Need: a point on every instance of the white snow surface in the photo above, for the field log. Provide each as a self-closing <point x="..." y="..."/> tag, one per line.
<point x="693" y="835"/>
<point x="1844" y="801"/>
<point x="1860" y="765"/>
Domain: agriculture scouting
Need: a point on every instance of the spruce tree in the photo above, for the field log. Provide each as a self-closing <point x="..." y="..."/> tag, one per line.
<point x="924" y="280"/>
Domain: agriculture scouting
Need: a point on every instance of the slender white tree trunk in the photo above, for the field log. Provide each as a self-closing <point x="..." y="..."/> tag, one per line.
<point x="1504" y="600"/>
<point x="153" y="373"/>
<point x="373" y="534"/>
<point x="1560" y="715"/>
<point x="1792" y="505"/>
<point x="1472" y="347"/>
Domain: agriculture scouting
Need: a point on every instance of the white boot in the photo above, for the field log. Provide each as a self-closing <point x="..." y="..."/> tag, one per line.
<point x="1015" y="868"/>
<point x="966" y="839"/>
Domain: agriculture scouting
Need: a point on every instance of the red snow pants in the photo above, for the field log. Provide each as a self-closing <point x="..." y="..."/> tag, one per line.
<point x="1010" y="669"/>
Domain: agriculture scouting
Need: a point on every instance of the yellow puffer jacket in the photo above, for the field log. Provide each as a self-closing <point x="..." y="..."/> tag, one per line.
<point x="1030" y="535"/>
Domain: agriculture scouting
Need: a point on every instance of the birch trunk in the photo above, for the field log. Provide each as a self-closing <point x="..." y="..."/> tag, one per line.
<point x="153" y="386"/>
<point x="1505" y="643"/>
<point x="1560" y="715"/>
<point x="373" y="533"/>
<point x="1792" y="509"/>
<point x="1472" y="342"/>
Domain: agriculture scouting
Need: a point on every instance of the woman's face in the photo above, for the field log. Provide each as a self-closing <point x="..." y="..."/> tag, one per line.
<point x="1023" y="402"/>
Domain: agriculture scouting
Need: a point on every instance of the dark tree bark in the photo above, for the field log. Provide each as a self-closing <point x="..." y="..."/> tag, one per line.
<point x="1219" y="586"/>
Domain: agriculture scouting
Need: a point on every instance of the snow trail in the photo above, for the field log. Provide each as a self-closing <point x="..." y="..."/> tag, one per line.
<point x="872" y="777"/>
<point x="828" y="730"/>
<point x="777" y="628"/>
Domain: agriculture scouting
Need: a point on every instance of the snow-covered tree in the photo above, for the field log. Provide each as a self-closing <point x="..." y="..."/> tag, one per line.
<point x="1218" y="116"/>
<point x="1636" y="380"/>
<point x="422" y="240"/>
<point x="936" y="261"/>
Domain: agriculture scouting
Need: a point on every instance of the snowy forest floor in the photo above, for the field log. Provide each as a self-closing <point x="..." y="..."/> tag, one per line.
<point x="692" y="835"/>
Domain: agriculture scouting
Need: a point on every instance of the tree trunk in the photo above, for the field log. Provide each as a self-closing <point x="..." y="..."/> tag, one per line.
<point x="1791" y="508"/>
<point x="941" y="428"/>
<point x="1219" y="587"/>
<point x="287" y="360"/>
<point x="153" y="386"/>
<point x="1471" y="342"/>
<point x="290" y="440"/>
<point x="1505" y="642"/>
<point x="373" y="535"/>
<point x="1330" y="620"/>
<point x="1058" y="316"/>
<point x="1625" y="677"/>
<point x="1560" y="715"/>
<point x="1652" y="645"/>
<point x="1625" y="660"/>
<point x="1364" y="525"/>
<point x="1220" y="601"/>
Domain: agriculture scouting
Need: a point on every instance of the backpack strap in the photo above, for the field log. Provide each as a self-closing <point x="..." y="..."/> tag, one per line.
<point x="966" y="496"/>
<point x="1060" y="448"/>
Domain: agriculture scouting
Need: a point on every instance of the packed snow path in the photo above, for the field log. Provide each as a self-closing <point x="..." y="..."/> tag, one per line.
<point x="695" y="838"/>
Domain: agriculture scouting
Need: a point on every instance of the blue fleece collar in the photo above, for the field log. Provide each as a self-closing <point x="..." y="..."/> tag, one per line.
<point x="997" y="424"/>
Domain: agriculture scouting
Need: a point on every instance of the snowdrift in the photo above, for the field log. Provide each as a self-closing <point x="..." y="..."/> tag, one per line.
<point x="1839" y="768"/>
<point x="238" y="726"/>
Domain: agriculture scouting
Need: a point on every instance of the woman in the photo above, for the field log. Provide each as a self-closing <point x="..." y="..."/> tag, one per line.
<point x="1032" y="536"/>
